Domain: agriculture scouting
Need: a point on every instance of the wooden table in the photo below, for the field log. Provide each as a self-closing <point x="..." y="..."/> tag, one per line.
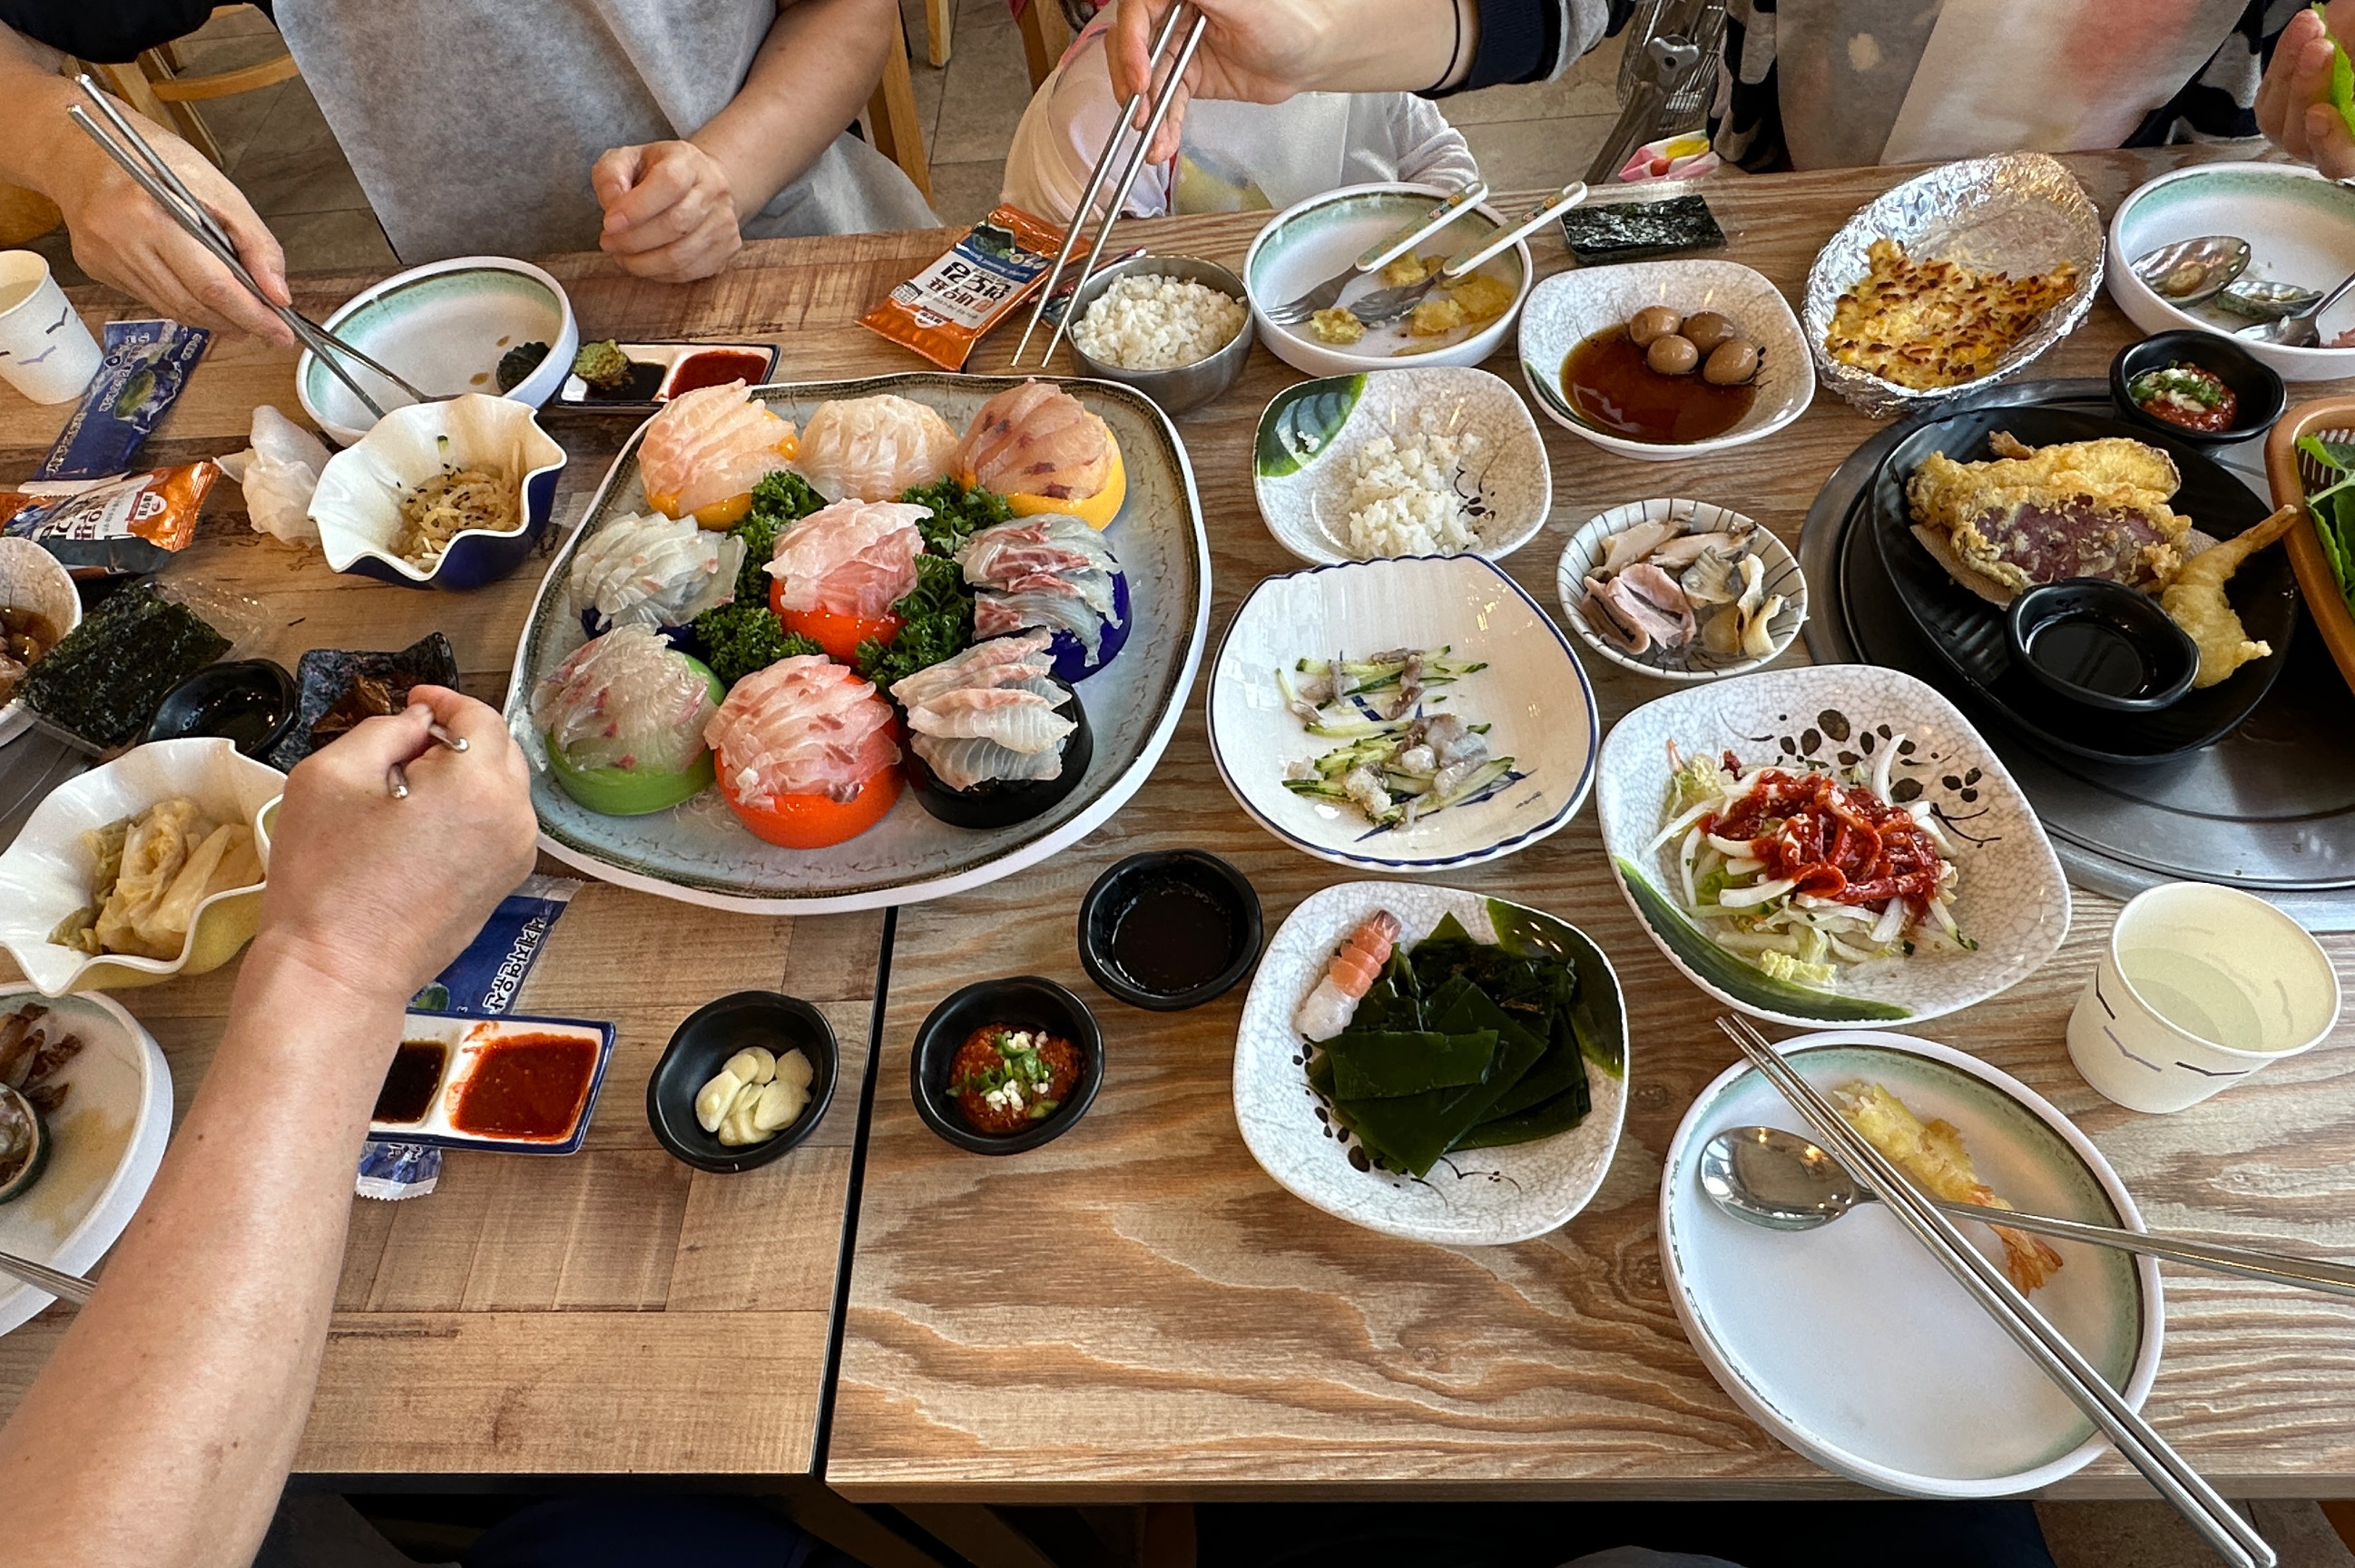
<point x="1137" y="1311"/>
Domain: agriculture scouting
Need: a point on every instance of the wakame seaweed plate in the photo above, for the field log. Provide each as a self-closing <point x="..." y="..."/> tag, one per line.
<point x="1470" y="1196"/>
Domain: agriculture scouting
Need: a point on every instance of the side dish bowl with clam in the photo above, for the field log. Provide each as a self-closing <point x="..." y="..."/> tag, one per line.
<point x="1681" y="589"/>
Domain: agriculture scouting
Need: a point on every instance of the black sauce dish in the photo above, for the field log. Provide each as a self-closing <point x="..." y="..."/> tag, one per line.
<point x="1170" y="929"/>
<point x="251" y="702"/>
<point x="2098" y="642"/>
<point x="703" y="1044"/>
<point x="1024" y="1002"/>
<point x="2256" y="385"/>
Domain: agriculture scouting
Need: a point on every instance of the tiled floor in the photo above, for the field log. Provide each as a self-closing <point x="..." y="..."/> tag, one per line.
<point x="277" y="147"/>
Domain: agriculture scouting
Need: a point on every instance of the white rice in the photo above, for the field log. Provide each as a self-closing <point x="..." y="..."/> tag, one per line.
<point x="1149" y="322"/>
<point x="1402" y="496"/>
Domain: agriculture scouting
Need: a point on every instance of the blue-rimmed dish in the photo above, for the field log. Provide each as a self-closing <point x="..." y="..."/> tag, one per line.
<point x="1533" y="694"/>
<point x="466" y="1041"/>
<point x="357" y="504"/>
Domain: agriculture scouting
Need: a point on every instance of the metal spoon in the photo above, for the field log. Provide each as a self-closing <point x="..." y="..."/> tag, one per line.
<point x="2190" y="271"/>
<point x="40" y="1276"/>
<point x="2299" y="331"/>
<point x="2263" y="299"/>
<point x="1779" y="1180"/>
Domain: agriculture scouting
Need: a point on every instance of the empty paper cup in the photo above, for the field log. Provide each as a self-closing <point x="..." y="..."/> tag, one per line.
<point x="2198" y="987"/>
<point x="46" y="352"/>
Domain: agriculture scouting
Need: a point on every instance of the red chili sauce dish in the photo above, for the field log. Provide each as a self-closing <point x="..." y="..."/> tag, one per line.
<point x="1006" y="1077"/>
<point x="2186" y="395"/>
<point x="531" y="1087"/>
<point x="716" y="368"/>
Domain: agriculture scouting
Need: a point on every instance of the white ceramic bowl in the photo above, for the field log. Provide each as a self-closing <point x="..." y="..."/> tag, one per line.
<point x="1311" y="430"/>
<point x="1308" y="242"/>
<point x="1497" y="1195"/>
<point x="1691" y="662"/>
<point x="32" y="579"/>
<point x="1533" y="693"/>
<point x="357" y="504"/>
<point x="443" y="328"/>
<point x="2011" y="899"/>
<point x="109" y="1136"/>
<point x="1569" y="307"/>
<point x="46" y="874"/>
<point x="2300" y="229"/>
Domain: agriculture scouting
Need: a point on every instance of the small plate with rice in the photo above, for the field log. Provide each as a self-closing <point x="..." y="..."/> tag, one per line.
<point x="1432" y="461"/>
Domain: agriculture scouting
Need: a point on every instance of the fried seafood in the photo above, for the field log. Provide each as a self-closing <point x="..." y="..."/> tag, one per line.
<point x="2035" y="514"/>
<point x="2195" y="601"/>
<point x="1932" y="1153"/>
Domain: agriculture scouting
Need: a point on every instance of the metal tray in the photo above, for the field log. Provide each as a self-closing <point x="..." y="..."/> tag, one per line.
<point x="2270" y="808"/>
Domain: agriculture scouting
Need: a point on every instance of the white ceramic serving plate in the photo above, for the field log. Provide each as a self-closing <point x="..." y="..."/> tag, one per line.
<point x="1533" y="692"/>
<point x="1851" y="1344"/>
<point x="45" y="875"/>
<point x="1488" y="1197"/>
<point x="1311" y="431"/>
<point x="1569" y="307"/>
<point x="32" y="579"/>
<point x="110" y="1135"/>
<point x="357" y="507"/>
<point x="699" y="853"/>
<point x="443" y="327"/>
<point x="1691" y="662"/>
<point x="2011" y="899"/>
<point x="2300" y="229"/>
<point x="1308" y="242"/>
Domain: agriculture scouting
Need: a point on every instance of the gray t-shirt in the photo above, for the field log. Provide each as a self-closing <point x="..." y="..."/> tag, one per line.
<point x="472" y="124"/>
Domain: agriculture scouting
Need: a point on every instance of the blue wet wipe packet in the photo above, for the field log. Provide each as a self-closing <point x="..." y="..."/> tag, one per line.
<point x="482" y="980"/>
<point x="146" y="364"/>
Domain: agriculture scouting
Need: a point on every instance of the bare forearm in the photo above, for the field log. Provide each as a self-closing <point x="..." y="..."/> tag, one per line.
<point x="162" y="1430"/>
<point x="39" y="147"/>
<point x="815" y="72"/>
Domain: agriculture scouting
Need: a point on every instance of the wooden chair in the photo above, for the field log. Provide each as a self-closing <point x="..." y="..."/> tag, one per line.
<point x="160" y="88"/>
<point x="892" y="123"/>
<point x="1046" y="34"/>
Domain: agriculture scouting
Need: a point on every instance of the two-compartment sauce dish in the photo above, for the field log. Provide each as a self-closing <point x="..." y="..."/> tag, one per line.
<point x="513" y="1085"/>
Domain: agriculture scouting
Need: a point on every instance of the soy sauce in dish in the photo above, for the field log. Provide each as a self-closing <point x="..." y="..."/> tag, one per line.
<point x="645" y="380"/>
<point x="416" y="1073"/>
<point x="2093" y="655"/>
<point x="716" y="368"/>
<point x="245" y="717"/>
<point x="1611" y="387"/>
<point x="528" y="1086"/>
<point x="1173" y="936"/>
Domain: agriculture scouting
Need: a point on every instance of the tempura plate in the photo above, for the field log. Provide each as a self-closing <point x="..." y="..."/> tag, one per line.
<point x="700" y="854"/>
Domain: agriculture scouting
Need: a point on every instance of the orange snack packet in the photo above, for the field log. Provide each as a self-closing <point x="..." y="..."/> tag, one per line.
<point x="102" y="528"/>
<point x="952" y="304"/>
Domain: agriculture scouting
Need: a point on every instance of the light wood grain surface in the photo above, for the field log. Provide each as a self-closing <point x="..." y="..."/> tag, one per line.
<point x="1137" y="1311"/>
<point x="546" y="1316"/>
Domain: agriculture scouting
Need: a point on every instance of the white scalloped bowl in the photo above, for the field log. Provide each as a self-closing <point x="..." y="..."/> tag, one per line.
<point x="1691" y="662"/>
<point x="357" y="504"/>
<point x="46" y="874"/>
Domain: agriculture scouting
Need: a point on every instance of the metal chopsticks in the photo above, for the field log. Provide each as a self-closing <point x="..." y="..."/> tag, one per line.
<point x="1165" y="94"/>
<point x="136" y="157"/>
<point x="2053" y="1354"/>
<point x="65" y="1287"/>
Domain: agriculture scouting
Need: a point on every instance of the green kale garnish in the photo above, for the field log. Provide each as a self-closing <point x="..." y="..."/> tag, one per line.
<point x="740" y="638"/>
<point x="938" y="616"/>
<point x="958" y="513"/>
<point x="778" y="500"/>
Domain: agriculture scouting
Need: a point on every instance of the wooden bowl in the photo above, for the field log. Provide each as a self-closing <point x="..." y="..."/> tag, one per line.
<point x="2315" y="579"/>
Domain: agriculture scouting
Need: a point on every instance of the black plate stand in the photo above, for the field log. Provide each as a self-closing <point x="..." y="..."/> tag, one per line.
<point x="2270" y="807"/>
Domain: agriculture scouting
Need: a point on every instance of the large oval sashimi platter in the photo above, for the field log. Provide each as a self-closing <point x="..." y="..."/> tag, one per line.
<point x="706" y="853"/>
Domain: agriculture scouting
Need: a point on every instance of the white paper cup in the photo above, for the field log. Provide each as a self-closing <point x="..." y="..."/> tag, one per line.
<point x="46" y="352"/>
<point x="2198" y="987"/>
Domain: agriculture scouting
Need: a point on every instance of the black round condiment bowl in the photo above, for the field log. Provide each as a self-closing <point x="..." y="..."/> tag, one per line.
<point x="2108" y="622"/>
<point x="1025" y="1002"/>
<point x="252" y="703"/>
<point x="2256" y="383"/>
<point x="1002" y="803"/>
<point x="1227" y="901"/>
<point x="703" y="1044"/>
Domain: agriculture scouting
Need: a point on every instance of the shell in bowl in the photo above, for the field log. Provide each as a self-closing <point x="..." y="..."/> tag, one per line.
<point x="32" y="579"/>
<point x="1311" y="240"/>
<point x="443" y="327"/>
<point x="1569" y="307"/>
<point x="1780" y="594"/>
<point x="357" y="504"/>
<point x="1532" y="692"/>
<point x="1311" y="433"/>
<point x="2301" y="231"/>
<point x="46" y="876"/>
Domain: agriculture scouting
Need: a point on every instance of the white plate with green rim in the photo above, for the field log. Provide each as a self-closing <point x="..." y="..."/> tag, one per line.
<point x="2011" y="899"/>
<point x="1488" y="1197"/>
<point x="1303" y="466"/>
<point x="699" y="853"/>
<point x="110" y="1135"/>
<point x="1851" y="1343"/>
<point x="1308" y="242"/>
